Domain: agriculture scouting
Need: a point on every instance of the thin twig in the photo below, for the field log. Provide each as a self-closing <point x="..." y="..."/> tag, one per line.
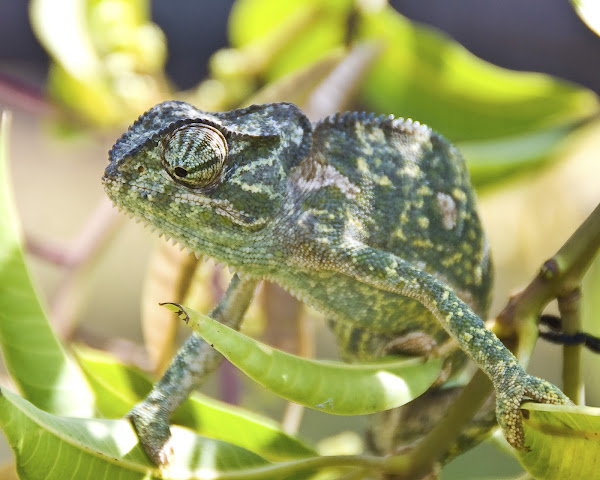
<point x="336" y="90"/>
<point x="124" y="350"/>
<point x="559" y="275"/>
<point x="18" y="94"/>
<point x="292" y="417"/>
<point x="436" y="442"/>
<point x="84" y="255"/>
<point x="572" y="375"/>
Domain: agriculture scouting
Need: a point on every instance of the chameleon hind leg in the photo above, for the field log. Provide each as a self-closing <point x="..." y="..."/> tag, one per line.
<point x="192" y="364"/>
<point x="512" y="384"/>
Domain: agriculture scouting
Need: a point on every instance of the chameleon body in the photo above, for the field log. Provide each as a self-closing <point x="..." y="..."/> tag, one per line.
<point x="370" y="219"/>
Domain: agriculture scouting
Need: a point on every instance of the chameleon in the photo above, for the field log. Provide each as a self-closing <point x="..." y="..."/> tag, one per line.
<point x="370" y="219"/>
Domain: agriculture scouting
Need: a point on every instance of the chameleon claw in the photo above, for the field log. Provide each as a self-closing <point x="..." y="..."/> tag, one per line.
<point x="508" y="403"/>
<point x="178" y="309"/>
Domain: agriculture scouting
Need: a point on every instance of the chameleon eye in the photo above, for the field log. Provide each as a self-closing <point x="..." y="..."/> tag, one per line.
<point x="194" y="154"/>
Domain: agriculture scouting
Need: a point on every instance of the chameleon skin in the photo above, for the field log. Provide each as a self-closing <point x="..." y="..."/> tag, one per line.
<point x="371" y="220"/>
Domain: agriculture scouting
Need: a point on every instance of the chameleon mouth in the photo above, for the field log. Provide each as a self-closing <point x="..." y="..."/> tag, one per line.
<point x="146" y="223"/>
<point x="115" y="185"/>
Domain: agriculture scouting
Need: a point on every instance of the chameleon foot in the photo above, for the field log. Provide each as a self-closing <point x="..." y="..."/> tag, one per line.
<point x="509" y="396"/>
<point x="152" y="428"/>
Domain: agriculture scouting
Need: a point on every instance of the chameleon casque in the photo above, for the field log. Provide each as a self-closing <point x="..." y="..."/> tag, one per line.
<point x="370" y="219"/>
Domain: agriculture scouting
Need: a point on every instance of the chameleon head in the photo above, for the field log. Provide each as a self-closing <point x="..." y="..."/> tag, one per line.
<point x="215" y="182"/>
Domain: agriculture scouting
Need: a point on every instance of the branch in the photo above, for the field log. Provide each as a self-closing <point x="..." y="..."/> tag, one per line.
<point x="558" y="277"/>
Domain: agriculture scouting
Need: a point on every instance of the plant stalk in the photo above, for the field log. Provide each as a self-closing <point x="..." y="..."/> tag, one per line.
<point x="569" y="307"/>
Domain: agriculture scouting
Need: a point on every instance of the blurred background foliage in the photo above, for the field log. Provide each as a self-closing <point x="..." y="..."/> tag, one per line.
<point x="109" y="62"/>
<point x="108" y="65"/>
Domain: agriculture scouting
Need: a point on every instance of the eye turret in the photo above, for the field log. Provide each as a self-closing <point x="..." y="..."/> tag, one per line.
<point x="194" y="154"/>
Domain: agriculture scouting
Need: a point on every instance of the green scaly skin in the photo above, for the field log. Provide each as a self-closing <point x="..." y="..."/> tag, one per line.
<point x="371" y="220"/>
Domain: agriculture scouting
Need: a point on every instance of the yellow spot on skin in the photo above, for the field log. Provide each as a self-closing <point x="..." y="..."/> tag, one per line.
<point x="384" y="181"/>
<point x="459" y="195"/>
<point x="362" y="165"/>
<point x="399" y="234"/>
<point x="409" y="170"/>
<point x="423" y="222"/>
<point x="424" y="190"/>
<point x="376" y="136"/>
<point x="478" y="274"/>
<point x="324" y="228"/>
<point x="423" y="243"/>
<point x="455" y="258"/>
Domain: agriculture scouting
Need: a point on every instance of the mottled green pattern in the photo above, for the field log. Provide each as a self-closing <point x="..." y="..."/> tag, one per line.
<point x="370" y="219"/>
<point x="396" y="186"/>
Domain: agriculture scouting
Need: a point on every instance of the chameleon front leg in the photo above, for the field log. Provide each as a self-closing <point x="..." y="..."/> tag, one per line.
<point x="192" y="364"/>
<point x="512" y="384"/>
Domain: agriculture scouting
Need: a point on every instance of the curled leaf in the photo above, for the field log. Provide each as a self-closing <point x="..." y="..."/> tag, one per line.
<point x="332" y="387"/>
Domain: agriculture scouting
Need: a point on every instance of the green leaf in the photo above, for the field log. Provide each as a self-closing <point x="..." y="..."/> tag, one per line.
<point x="61" y="28"/>
<point x="46" y="376"/>
<point x="287" y="35"/>
<point x="108" y="57"/>
<point x="119" y="387"/>
<point x="332" y="387"/>
<point x="589" y="12"/>
<point x="51" y="447"/>
<point x="425" y="75"/>
<point x="492" y="160"/>
<point x="564" y="441"/>
<point x="299" y="85"/>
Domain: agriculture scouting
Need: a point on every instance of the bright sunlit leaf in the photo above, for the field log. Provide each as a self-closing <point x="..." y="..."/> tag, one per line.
<point x="564" y="441"/>
<point x="59" y="448"/>
<point x="589" y="11"/>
